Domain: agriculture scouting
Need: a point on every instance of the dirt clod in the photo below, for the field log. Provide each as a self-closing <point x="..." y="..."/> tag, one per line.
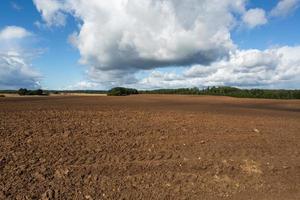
<point x="256" y="130"/>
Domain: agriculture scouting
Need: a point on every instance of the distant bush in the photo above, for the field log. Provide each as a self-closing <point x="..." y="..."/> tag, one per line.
<point x="8" y="91"/>
<point x="36" y="92"/>
<point x="24" y="91"/>
<point x="120" y="91"/>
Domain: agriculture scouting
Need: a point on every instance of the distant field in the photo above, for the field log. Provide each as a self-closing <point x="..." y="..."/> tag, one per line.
<point x="78" y="94"/>
<point x="61" y="94"/>
<point x="10" y="95"/>
<point x="149" y="147"/>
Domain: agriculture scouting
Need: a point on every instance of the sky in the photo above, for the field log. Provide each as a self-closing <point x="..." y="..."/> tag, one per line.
<point x="149" y="44"/>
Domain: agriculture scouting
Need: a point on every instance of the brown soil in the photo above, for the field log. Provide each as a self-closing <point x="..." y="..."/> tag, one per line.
<point x="149" y="147"/>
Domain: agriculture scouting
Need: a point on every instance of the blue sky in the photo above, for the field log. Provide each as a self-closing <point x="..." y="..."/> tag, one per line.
<point x="58" y="63"/>
<point x="114" y="51"/>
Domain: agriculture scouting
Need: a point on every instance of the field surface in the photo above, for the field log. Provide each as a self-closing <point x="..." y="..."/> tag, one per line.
<point x="149" y="147"/>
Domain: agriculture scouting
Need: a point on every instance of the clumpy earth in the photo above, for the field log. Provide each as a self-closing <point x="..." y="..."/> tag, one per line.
<point x="149" y="147"/>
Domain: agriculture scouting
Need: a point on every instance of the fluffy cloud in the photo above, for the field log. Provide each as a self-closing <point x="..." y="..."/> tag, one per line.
<point x="117" y="38"/>
<point x="255" y="17"/>
<point x="143" y="34"/>
<point x="13" y="32"/>
<point x="83" y="85"/>
<point x="15" y="72"/>
<point x="52" y="12"/>
<point x="277" y="67"/>
<point x="285" y="7"/>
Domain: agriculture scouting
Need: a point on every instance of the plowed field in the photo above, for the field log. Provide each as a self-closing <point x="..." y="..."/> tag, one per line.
<point x="149" y="147"/>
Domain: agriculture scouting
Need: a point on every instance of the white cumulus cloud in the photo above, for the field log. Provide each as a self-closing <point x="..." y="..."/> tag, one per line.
<point x="13" y="32"/>
<point x="119" y="37"/>
<point x="255" y="17"/>
<point x="284" y="8"/>
<point x="16" y="73"/>
<point x="52" y="11"/>
<point x="276" y="67"/>
<point x="15" y="70"/>
<point x="83" y="85"/>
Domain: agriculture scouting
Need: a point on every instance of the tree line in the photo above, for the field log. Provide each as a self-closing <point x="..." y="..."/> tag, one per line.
<point x="217" y="91"/>
<point x="121" y="91"/>
<point x="24" y="91"/>
<point x="230" y="91"/>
